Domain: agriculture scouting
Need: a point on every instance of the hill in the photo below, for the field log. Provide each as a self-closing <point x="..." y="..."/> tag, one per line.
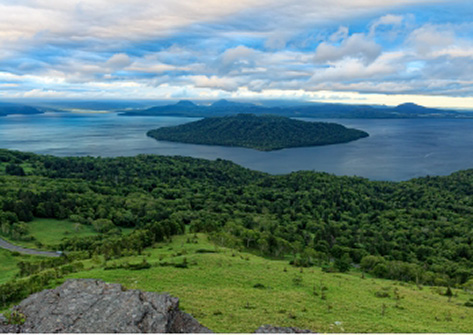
<point x="232" y="291"/>
<point x="242" y="248"/>
<point x="257" y="132"/>
<point x="11" y="108"/>
<point x="314" y="110"/>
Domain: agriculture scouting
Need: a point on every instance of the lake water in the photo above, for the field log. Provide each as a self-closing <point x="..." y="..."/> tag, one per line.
<point x="396" y="149"/>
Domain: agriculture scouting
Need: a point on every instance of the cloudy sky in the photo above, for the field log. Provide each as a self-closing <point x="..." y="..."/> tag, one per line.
<point x="353" y="51"/>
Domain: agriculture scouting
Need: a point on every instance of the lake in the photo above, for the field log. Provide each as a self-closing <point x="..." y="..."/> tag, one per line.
<point x="396" y="149"/>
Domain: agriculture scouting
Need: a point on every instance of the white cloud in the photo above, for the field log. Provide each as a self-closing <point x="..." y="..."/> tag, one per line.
<point x="118" y="61"/>
<point x="429" y="38"/>
<point x="386" y="20"/>
<point x="340" y="34"/>
<point x="357" y="46"/>
<point x="218" y="48"/>
<point x="226" y="84"/>
<point x="352" y="69"/>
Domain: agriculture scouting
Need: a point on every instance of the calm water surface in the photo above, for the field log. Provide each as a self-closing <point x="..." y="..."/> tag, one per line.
<point x="396" y="149"/>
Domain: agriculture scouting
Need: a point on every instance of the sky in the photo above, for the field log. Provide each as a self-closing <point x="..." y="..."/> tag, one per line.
<point x="346" y="51"/>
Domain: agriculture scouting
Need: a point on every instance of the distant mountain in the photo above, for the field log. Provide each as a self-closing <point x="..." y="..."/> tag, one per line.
<point x="313" y="110"/>
<point x="185" y="104"/>
<point x="231" y="104"/>
<point x="98" y="105"/>
<point x="267" y="132"/>
<point x="12" y="108"/>
<point x="412" y="108"/>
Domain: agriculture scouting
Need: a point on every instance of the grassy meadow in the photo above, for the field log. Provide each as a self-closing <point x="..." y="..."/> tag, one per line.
<point x="8" y="264"/>
<point x="231" y="291"/>
<point x="50" y="232"/>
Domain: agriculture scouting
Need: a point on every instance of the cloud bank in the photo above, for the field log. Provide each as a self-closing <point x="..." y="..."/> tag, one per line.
<point x="238" y="49"/>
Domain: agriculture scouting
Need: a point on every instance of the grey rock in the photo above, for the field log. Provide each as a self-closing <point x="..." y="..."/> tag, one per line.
<point x="91" y="306"/>
<point x="5" y="327"/>
<point x="268" y="329"/>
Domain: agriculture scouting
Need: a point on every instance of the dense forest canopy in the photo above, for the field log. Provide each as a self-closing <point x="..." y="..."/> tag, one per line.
<point x="267" y="132"/>
<point x="419" y="230"/>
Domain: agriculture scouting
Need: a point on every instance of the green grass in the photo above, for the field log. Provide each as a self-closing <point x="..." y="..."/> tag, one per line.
<point x="8" y="262"/>
<point x="218" y="289"/>
<point x="51" y="232"/>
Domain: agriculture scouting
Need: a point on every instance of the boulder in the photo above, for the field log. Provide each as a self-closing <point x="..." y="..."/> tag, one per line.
<point x="92" y="306"/>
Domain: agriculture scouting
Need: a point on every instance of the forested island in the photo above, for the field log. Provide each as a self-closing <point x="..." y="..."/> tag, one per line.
<point x="266" y="132"/>
<point x="200" y="226"/>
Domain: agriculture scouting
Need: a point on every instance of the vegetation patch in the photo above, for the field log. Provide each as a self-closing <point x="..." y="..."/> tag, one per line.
<point x="267" y="132"/>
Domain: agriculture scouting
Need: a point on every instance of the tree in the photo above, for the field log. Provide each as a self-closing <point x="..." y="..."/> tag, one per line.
<point x="343" y="264"/>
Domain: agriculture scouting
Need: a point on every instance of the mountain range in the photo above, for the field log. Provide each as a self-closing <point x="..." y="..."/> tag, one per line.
<point x="314" y="110"/>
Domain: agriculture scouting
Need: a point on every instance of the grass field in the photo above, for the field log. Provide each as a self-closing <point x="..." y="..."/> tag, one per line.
<point x="51" y="232"/>
<point x="229" y="291"/>
<point x="8" y="264"/>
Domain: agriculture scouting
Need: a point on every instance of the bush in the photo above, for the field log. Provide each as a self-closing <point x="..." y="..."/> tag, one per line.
<point x="343" y="264"/>
<point x="14" y="170"/>
<point x="297" y="281"/>
<point x="382" y="294"/>
<point x="15" y="318"/>
<point x="205" y="251"/>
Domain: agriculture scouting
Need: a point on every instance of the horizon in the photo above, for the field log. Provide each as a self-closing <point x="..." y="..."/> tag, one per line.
<point x="348" y="52"/>
<point x="146" y="103"/>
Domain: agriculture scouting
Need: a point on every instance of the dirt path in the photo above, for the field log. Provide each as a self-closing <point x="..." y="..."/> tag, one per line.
<point x="6" y="245"/>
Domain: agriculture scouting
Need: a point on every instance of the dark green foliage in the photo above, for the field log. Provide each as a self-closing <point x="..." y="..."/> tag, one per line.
<point x="267" y="132"/>
<point x="15" y="318"/>
<point x="382" y="294"/>
<point x="205" y="251"/>
<point x="129" y="266"/>
<point x="297" y="281"/>
<point x="418" y="231"/>
<point x="343" y="264"/>
<point x="17" y="290"/>
<point x="449" y="293"/>
<point x="14" y="170"/>
<point x="259" y="286"/>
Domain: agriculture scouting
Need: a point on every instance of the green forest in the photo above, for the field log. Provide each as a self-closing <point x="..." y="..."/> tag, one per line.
<point x="266" y="132"/>
<point x="415" y="231"/>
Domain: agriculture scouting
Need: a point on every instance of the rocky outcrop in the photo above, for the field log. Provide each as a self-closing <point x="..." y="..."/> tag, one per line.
<point x="91" y="306"/>
<point x="267" y="329"/>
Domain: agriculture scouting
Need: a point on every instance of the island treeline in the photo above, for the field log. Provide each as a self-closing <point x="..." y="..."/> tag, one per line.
<point x="418" y="230"/>
<point x="267" y="132"/>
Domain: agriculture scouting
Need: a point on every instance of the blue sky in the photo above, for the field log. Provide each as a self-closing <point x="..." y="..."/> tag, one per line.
<point x="352" y="51"/>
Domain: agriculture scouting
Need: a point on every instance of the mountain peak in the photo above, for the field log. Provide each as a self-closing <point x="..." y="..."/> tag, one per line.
<point x="186" y="103"/>
<point x="410" y="107"/>
<point x="225" y="103"/>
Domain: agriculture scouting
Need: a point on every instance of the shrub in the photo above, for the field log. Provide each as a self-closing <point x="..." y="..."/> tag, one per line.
<point x="297" y="281"/>
<point x="15" y="317"/>
<point x="382" y="294"/>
